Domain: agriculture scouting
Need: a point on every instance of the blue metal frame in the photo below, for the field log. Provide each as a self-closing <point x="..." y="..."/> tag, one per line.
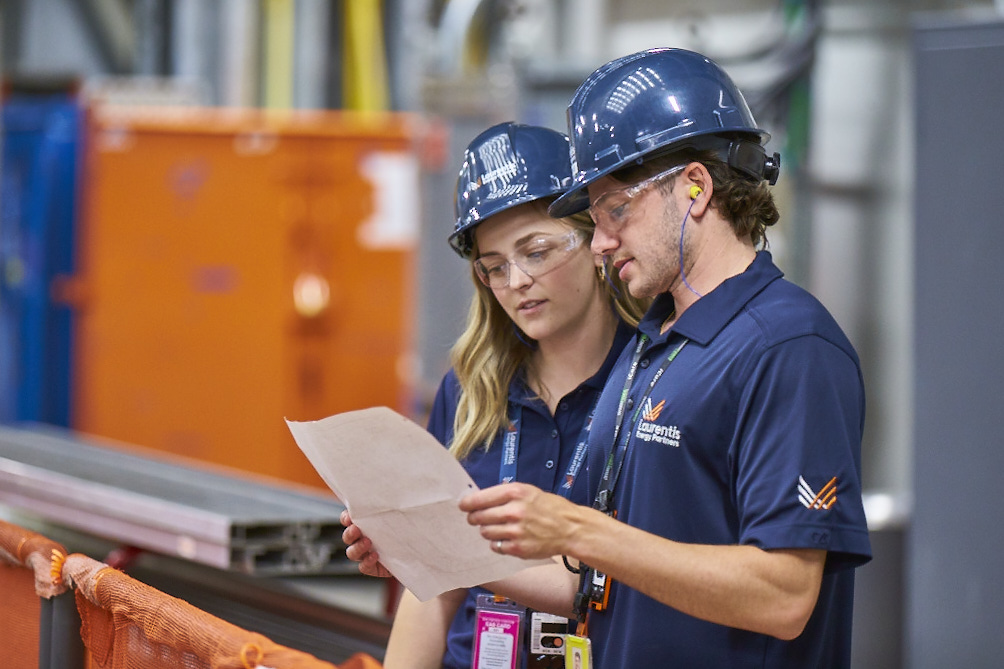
<point x="38" y="211"/>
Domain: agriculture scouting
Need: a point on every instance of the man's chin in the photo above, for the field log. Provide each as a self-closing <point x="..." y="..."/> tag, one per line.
<point x="641" y="291"/>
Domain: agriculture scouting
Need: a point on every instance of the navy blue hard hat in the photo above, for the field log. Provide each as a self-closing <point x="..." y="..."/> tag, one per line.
<point x="507" y="165"/>
<point x="654" y="102"/>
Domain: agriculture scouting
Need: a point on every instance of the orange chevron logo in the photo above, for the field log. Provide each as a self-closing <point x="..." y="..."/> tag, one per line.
<point x="823" y="500"/>
<point x="652" y="412"/>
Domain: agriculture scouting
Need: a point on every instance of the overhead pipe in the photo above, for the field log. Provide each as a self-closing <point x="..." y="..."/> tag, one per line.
<point x="453" y="30"/>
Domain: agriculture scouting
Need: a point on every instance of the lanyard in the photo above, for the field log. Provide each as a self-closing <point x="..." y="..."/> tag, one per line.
<point x="510" y="450"/>
<point x="618" y="451"/>
<point x="594" y="587"/>
<point x="510" y="456"/>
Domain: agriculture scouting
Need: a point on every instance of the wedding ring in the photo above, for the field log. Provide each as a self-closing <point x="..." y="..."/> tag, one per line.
<point x="498" y="546"/>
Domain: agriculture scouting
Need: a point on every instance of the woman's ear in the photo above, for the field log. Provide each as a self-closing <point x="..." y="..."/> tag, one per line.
<point x="601" y="267"/>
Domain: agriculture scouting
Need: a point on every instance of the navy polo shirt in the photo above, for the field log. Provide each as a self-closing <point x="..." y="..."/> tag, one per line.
<point x="752" y="435"/>
<point x="546" y="446"/>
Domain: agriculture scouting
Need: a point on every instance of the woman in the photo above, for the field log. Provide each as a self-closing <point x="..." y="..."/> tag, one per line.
<point x="543" y="331"/>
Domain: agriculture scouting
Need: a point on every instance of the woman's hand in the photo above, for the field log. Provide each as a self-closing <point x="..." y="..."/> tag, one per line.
<point x="359" y="548"/>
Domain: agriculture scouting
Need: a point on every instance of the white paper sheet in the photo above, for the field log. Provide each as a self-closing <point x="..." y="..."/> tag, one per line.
<point x="401" y="487"/>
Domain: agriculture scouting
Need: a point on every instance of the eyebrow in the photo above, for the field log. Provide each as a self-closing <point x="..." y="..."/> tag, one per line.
<point x="522" y="240"/>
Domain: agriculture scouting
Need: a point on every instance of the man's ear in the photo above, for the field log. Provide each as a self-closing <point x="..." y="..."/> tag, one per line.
<point x="699" y="188"/>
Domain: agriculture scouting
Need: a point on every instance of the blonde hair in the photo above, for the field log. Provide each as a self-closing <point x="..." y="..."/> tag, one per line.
<point x="489" y="353"/>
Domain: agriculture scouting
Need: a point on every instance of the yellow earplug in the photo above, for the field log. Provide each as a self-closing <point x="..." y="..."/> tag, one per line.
<point x="695" y="191"/>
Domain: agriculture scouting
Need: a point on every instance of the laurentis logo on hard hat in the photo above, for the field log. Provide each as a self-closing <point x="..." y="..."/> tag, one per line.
<point x="822" y="500"/>
<point x="649" y="430"/>
<point x="500" y="166"/>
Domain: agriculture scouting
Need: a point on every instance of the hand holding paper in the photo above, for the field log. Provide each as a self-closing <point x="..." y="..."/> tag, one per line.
<point x="401" y="488"/>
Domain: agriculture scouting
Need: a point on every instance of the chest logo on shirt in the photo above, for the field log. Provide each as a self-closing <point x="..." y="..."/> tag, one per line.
<point x="822" y="500"/>
<point x="649" y="430"/>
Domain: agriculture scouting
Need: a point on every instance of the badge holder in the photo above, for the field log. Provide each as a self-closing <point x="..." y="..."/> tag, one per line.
<point x="547" y="641"/>
<point x="498" y="630"/>
<point x="578" y="652"/>
<point x="594" y="594"/>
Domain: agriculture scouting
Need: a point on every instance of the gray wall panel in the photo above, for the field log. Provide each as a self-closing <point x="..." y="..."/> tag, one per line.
<point x="955" y="589"/>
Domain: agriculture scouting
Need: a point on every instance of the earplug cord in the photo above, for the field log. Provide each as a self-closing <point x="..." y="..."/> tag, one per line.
<point x="683" y="272"/>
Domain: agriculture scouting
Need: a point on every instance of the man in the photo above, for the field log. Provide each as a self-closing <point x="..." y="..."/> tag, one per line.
<point x="725" y="448"/>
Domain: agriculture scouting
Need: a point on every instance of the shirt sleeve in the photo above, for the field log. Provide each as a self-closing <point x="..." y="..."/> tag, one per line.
<point x="444" y="409"/>
<point x="797" y="452"/>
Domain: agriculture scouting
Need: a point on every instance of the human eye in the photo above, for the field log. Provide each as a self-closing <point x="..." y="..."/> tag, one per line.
<point x="538" y="250"/>
<point x="618" y="210"/>
<point x="493" y="269"/>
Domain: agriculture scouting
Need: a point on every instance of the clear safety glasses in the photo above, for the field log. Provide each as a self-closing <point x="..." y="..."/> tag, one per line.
<point x="535" y="258"/>
<point x="612" y="210"/>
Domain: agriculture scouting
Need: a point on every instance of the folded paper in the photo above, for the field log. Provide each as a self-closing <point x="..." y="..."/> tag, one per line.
<point x="401" y="488"/>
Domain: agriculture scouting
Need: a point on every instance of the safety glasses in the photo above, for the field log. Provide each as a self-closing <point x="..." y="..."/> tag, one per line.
<point x="535" y="258"/>
<point x="612" y="210"/>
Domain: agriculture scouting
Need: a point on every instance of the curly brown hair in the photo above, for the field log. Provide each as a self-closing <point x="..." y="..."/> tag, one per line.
<point x="746" y="203"/>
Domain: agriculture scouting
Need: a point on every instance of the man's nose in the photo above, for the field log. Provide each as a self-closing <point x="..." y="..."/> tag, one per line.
<point x="602" y="243"/>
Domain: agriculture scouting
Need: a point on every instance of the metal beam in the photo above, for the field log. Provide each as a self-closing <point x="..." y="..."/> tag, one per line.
<point x="183" y="509"/>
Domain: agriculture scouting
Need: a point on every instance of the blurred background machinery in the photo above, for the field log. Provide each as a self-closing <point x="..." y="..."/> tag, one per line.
<point x="214" y="272"/>
<point x="217" y="214"/>
<point x="238" y="268"/>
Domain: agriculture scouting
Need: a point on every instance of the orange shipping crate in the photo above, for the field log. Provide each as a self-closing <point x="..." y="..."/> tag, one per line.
<point x="239" y="267"/>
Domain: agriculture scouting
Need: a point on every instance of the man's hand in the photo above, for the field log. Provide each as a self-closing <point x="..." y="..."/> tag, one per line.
<point x="522" y="520"/>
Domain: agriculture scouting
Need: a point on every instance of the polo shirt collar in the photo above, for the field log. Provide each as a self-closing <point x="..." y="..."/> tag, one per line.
<point x="702" y="322"/>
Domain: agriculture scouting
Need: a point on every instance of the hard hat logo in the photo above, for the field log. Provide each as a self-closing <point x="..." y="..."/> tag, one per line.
<point x="657" y="101"/>
<point x="498" y="159"/>
<point x="508" y="191"/>
<point x="507" y="165"/>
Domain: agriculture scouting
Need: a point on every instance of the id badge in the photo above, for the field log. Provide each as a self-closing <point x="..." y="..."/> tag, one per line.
<point x="498" y="627"/>
<point x="547" y="633"/>
<point x="547" y="641"/>
<point x="578" y="652"/>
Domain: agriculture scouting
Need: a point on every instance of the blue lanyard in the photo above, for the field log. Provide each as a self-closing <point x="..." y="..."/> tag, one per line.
<point x="510" y="450"/>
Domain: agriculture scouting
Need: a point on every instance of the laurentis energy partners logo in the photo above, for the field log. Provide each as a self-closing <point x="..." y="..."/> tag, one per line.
<point x="648" y="430"/>
<point x="509" y="448"/>
<point x="822" y="500"/>
<point x="500" y="169"/>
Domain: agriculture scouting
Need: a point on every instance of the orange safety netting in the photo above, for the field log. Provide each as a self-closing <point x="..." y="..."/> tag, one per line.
<point x="130" y="625"/>
<point x="27" y="564"/>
